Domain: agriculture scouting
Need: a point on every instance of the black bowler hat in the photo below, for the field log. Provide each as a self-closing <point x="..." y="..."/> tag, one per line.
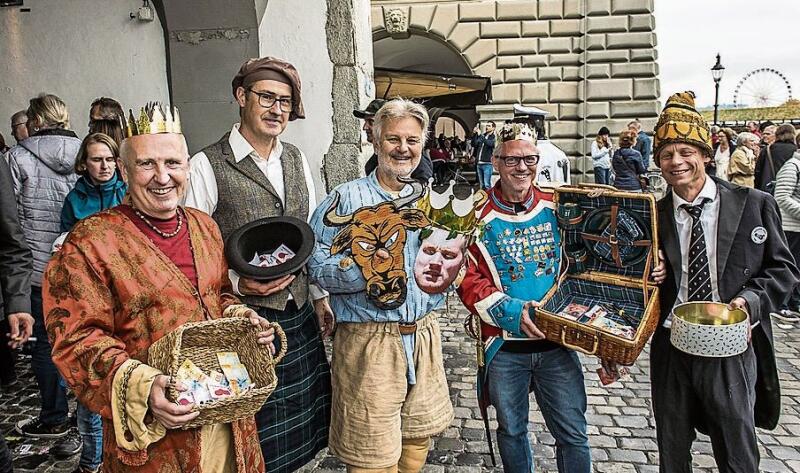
<point x="371" y="109"/>
<point x="265" y="236"/>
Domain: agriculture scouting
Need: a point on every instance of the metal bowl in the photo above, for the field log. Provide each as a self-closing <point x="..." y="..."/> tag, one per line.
<point x="709" y="329"/>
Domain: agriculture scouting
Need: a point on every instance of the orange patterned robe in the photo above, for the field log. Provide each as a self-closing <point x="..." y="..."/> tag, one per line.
<point x="108" y="295"/>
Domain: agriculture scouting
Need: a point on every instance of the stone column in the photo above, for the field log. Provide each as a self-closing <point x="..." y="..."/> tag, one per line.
<point x="350" y="50"/>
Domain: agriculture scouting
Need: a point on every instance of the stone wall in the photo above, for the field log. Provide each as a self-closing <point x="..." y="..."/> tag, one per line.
<point x="591" y="63"/>
<point x="79" y="51"/>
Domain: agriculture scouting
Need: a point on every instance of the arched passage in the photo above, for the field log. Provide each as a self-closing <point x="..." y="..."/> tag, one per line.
<point x="420" y="52"/>
<point x="425" y="52"/>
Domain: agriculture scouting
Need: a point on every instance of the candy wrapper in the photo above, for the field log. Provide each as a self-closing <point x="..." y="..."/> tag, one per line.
<point x="279" y="256"/>
<point x="218" y="385"/>
<point x="235" y="371"/>
<point x="195" y="382"/>
<point x="607" y="378"/>
<point x="185" y="398"/>
<point x="283" y="254"/>
<point x="573" y="311"/>
<point x="615" y="328"/>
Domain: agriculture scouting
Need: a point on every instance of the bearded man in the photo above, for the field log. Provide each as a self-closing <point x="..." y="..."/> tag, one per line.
<point x="125" y="278"/>
<point x="389" y="388"/>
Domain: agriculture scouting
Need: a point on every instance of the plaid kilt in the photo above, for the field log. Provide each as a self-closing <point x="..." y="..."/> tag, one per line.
<point x="293" y="424"/>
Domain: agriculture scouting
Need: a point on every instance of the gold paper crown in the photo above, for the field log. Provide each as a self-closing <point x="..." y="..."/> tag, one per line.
<point x="447" y="211"/>
<point x="516" y="131"/>
<point x="153" y="120"/>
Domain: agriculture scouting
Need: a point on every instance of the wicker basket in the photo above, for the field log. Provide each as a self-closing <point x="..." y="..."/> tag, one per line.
<point x="594" y="341"/>
<point x="200" y="342"/>
<point x="635" y="291"/>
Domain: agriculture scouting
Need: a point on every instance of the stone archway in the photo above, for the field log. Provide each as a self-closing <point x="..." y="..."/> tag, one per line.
<point x="437" y="23"/>
<point x="423" y="50"/>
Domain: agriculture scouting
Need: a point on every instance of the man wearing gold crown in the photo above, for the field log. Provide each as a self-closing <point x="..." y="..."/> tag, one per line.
<point x="250" y="174"/>
<point x="723" y="243"/>
<point x="125" y="278"/>
<point x="390" y="393"/>
<point x="514" y="262"/>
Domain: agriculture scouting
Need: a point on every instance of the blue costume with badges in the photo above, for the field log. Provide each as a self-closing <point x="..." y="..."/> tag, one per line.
<point x="514" y="260"/>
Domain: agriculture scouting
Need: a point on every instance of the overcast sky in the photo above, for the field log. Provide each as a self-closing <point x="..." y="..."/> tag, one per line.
<point x="749" y="34"/>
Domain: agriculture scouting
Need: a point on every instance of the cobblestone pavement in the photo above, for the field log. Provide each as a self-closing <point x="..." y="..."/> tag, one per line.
<point x="620" y="418"/>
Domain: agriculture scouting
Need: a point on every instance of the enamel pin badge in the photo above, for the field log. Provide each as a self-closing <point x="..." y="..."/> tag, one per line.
<point x="758" y="235"/>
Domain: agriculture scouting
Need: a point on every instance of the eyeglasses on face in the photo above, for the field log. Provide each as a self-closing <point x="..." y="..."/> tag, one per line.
<point x="267" y="100"/>
<point x="511" y="161"/>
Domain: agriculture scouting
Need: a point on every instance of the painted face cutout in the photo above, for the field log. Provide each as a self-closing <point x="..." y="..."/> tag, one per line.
<point x="376" y="237"/>
<point x="439" y="260"/>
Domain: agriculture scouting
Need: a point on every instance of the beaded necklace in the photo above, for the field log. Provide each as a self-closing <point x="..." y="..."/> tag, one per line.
<point x="155" y="229"/>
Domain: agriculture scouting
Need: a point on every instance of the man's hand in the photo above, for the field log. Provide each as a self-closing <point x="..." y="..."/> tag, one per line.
<point x="169" y="414"/>
<point x="251" y="287"/>
<point x="327" y="322"/>
<point x="21" y="324"/>
<point x="740" y="303"/>
<point x="659" y="273"/>
<point x="526" y="324"/>
<point x="267" y="334"/>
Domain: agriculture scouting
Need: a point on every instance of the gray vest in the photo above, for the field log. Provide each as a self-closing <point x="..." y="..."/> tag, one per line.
<point x="245" y="195"/>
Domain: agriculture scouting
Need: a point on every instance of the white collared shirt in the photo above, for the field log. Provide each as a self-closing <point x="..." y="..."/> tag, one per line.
<point x="203" y="193"/>
<point x="708" y="219"/>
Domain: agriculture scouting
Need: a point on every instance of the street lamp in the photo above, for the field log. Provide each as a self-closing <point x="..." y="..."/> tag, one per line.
<point x="716" y="74"/>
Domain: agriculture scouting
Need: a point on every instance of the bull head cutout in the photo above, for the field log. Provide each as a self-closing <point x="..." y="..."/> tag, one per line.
<point x="376" y="237"/>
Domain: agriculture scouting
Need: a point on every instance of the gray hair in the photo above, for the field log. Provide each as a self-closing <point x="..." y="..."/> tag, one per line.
<point x="747" y="137"/>
<point x="398" y="108"/>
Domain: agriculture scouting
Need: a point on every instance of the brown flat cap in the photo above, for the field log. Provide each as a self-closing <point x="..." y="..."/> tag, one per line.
<point x="271" y="68"/>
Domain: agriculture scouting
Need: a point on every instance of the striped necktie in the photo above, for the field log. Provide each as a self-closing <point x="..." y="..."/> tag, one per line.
<point x="699" y="273"/>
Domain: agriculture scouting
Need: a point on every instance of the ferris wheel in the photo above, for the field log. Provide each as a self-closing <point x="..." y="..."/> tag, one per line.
<point x="764" y="87"/>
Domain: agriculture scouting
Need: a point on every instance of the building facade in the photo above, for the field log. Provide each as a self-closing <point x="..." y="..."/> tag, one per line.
<point x="590" y="63"/>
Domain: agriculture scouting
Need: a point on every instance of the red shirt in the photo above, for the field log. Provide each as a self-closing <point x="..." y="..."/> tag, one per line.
<point x="177" y="248"/>
<point x="438" y="154"/>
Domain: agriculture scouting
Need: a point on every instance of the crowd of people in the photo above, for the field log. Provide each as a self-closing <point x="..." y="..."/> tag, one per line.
<point x="753" y="158"/>
<point x="117" y="239"/>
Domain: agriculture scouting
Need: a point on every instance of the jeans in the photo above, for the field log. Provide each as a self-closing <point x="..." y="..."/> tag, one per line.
<point x="557" y="381"/>
<point x="5" y="456"/>
<point x="602" y="175"/>
<point x="90" y="426"/>
<point x="485" y="175"/>
<point x="51" y="388"/>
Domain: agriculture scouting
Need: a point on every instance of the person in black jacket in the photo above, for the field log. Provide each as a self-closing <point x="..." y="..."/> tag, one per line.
<point x="627" y="163"/>
<point x="741" y="260"/>
<point x="773" y="156"/>
<point x="16" y="263"/>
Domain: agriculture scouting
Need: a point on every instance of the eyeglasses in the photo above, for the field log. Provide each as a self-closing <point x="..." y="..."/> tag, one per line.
<point x="268" y="101"/>
<point x="511" y="161"/>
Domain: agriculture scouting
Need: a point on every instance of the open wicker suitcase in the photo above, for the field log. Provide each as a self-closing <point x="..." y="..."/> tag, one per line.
<point x="610" y="241"/>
